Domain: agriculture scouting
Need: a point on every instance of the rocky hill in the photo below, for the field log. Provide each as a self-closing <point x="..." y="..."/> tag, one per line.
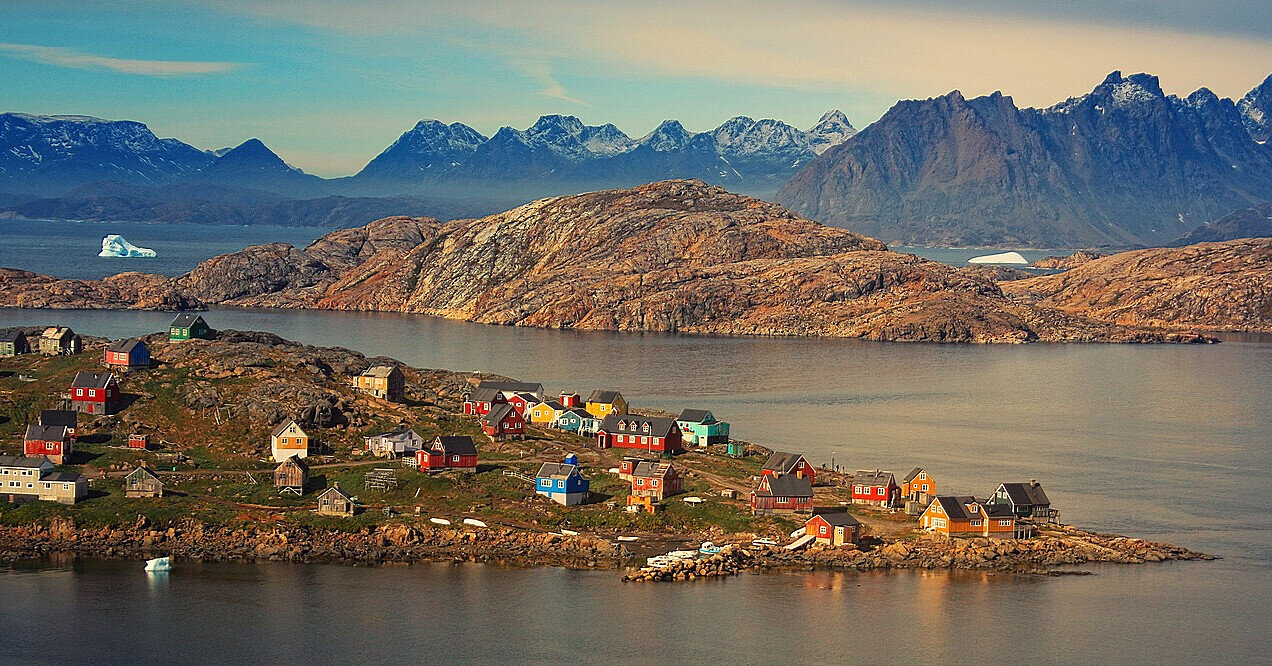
<point x="678" y="256"/>
<point x="1067" y="262"/>
<point x="1253" y="222"/>
<point x="1210" y="286"/>
<point x="1124" y="165"/>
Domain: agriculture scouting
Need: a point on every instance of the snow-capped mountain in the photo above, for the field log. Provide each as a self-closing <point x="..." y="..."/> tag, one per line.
<point x="1256" y="111"/>
<point x="430" y="146"/>
<point x="40" y="154"/>
<point x="832" y="130"/>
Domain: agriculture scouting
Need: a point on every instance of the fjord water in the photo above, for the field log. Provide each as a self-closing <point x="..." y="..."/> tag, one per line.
<point x="1165" y="442"/>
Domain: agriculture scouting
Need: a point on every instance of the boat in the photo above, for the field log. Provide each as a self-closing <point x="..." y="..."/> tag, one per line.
<point x="798" y="533"/>
<point x="693" y="499"/>
<point x="569" y="532"/>
<point x="159" y="564"/>
<point x="763" y="542"/>
<point x="708" y="548"/>
<point x="626" y="538"/>
<point x="659" y="561"/>
<point x="683" y="554"/>
<point x="474" y="522"/>
<point x="439" y="521"/>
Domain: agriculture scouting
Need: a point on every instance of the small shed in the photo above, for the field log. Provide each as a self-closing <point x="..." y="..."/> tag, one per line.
<point x="335" y="502"/>
<point x="142" y="482"/>
<point x="59" y="340"/>
<point x="138" y="441"/>
<point x="128" y="353"/>
<point x="13" y="342"/>
<point x="291" y="475"/>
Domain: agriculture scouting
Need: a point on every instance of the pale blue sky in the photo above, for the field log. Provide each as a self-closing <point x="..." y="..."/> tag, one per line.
<point x="330" y="83"/>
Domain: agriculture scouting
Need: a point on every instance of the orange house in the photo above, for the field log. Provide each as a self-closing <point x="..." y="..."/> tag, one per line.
<point x="965" y="517"/>
<point x="918" y="485"/>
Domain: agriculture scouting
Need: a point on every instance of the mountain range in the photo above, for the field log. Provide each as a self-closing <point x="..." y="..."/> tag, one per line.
<point x="1123" y="165"/>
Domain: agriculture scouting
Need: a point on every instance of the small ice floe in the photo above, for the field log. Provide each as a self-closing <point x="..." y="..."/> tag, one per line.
<point x="1000" y="258"/>
<point x="158" y="564"/>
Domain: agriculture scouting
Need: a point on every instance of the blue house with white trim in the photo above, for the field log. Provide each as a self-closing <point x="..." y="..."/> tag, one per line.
<point x="578" y="420"/>
<point x="561" y="482"/>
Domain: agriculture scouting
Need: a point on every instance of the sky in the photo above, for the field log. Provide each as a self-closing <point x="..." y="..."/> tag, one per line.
<point x="328" y="84"/>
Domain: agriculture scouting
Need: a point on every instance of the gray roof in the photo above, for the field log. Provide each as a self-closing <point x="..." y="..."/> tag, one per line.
<point x="873" y="477"/>
<point x="63" y="476"/>
<point x="658" y="426"/>
<point x="782" y="462"/>
<point x="144" y="471"/>
<point x="11" y="335"/>
<point x="337" y="490"/>
<point x="955" y="506"/>
<point x="401" y="432"/>
<point x="296" y="460"/>
<point x="1027" y="494"/>
<point x="696" y="415"/>
<point x="456" y="445"/>
<point x="603" y="396"/>
<point x="92" y="379"/>
<point x="380" y="371"/>
<point x="913" y="473"/>
<point x="552" y="469"/>
<point x="186" y="319"/>
<point x="554" y="404"/>
<point x="57" y="332"/>
<point x="839" y="518"/>
<point x="580" y="412"/>
<point x="278" y="429"/>
<point x="43" y="433"/>
<point x="24" y="461"/>
<point x="125" y="346"/>
<point x="62" y="417"/>
<point x="485" y="394"/>
<point x="786" y="485"/>
<point x="497" y="413"/>
<point x="652" y="468"/>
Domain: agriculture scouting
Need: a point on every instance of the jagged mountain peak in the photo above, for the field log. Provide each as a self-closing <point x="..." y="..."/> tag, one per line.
<point x="831" y="130"/>
<point x="669" y="135"/>
<point x="1256" y="111"/>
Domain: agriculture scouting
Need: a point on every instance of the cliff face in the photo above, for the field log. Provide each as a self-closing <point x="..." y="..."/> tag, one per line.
<point x="1215" y="286"/>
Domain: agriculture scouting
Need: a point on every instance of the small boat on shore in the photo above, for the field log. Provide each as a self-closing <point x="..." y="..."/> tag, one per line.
<point x="683" y="554"/>
<point x="659" y="561"/>
<point x="626" y="538"/>
<point x="569" y="533"/>
<point x="708" y="548"/>
<point x="439" y="521"/>
<point x="474" y="522"/>
<point x="159" y="564"/>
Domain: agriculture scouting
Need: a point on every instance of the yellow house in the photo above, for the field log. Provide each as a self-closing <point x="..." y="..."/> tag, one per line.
<point x="546" y="412"/>
<point x="288" y="440"/>
<point x="603" y="403"/>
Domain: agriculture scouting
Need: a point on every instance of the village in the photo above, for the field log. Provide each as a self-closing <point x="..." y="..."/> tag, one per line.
<point x="644" y="481"/>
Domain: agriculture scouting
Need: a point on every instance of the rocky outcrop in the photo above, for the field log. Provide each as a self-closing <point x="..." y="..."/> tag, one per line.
<point x="1065" y="263"/>
<point x="138" y="291"/>
<point x="1210" y="286"/>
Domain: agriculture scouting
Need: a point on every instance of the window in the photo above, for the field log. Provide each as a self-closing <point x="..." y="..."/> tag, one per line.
<point x="644" y="441"/>
<point x="1004" y="523"/>
<point x="857" y="489"/>
<point x="47" y="486"/>
<point x="938" y="522"/>
<point x="645" y="427"/>
<point x="654" y="483"/>
<point x="923" y="477"/>
<point x="976" y="522"/>
<point x="925" y="487"/>
<point x="821" y="529"/>
<point x="560" y="483"/>
<point x="79" y="393"/>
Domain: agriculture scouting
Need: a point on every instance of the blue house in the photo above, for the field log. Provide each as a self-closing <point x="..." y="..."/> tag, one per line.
<point x="578" y="420"/>
<point x="561" y="482"/>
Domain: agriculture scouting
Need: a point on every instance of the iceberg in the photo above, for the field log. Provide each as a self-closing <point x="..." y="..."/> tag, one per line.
<point x="114" y="245"/>
<point x="1003" y="258"/>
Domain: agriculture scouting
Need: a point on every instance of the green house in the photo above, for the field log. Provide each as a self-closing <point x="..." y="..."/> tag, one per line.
<point x="701" y="427"/>
<point x="13" y="342"/>
<point x="188" y="325"/>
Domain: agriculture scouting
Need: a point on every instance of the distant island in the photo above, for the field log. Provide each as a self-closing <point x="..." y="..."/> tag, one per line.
<point x="202" y="445"/>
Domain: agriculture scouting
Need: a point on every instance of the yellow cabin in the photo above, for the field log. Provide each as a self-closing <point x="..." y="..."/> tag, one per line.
<point x="603" y="403"/>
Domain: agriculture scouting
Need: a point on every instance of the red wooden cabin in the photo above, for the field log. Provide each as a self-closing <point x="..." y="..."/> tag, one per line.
<point x="482" y="401"/>
<point x="629" y="431"/>
<point x="502" y="422"/>
<point x="136" y="441"/>
<point x="52" y="442"/>
<point x="782" y="494"/>
<point x="95" y="393"/>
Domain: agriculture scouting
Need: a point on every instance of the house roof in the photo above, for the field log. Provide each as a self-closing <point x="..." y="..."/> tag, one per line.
<point x="555" y="405"/>
<point x="485" y="394"/>
<point x="24" y="461"/>
<point x="92" y="379"/>
<point x="998" y="510"/>
<point x="1026" y="494"/>
<point x="604" y="397"/>
<point x="497" y="413"/>
<point x="954" y="506"/>
<point x="554" y="469"/>
<point x="144" y="471"/>
<point x="511" y="386"/>
<point x="11" y="335"/>
<point x="913" y="473"/>
<point x="56" y="332"/>
<point x="63" y="476"/>
<point x="786" y="485"/>
<point x="296" y="460"/>
<point x="380" y="371"/>
<point x="186" y="319"/>
<point x="527" y="396"/>
<point x="43" y="433"/>
<point x="579" y="412"/>
<point x="873" y="477"/>
<point x="125" y="346"/>
<point x="456" y="445"/>
<point x="337" y="490"/>
<point x="696" y="415"/>
<point x="782" y="462"/>
<point x="652" y="468"/>
<point x="658" y="426"/>
<point x="401" y="432"/>
<point x="59" y="417"/>
<point x="278" y="429"/>
<point x="836" y="518"/>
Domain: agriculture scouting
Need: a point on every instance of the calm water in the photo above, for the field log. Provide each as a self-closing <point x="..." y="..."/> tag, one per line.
<point x="1166" y="442"/>
<point x="69" y="249"/>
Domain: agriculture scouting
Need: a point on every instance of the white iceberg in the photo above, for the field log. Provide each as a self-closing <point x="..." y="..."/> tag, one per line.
<point x="1003" y="258"/>
<point x="114" y="245"/>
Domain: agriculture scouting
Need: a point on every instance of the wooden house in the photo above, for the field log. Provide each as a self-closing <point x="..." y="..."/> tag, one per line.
<point x="400" y="441"/>
<point x="966" y="517"/>
<point x="139" y="441"/>
<point x="142" y="482"/>
<point x="60" y="340"/>
<point x="876" y="488"/>
<point x="383" y="381"/>
<point x="52" y="442"/>
<point x="457" y="452"/>
<point x="522" y="402"/>
<point x="188" y="326"/>
<point x="287" y="440"/>
<point x="67" y="418"/>
<point x="781" y="463"/>
<point x="648" y="433"/>
<point x="577" y="420"/>
<point x="655" y="479"/>
<point x="833" y="528"/>
<point x="1026" y="500"/>
<point x="546" y="412"/>
<point x="508" y="387"/>
<point x="129" y="353"/>
<point x="503" y="422"/>
<point x="291" y="475"/>
<point x="95" y="393"/>
<point x="562" y="483"/>
<point x="784" y="493"/>
<point x="570" y="399"/>
<point x="700" y="427"/>
<point x="483" y="400"/>
<point x="627" y="467"/>
<point x="335" y="502"/>
<point x="25" y="478"/>
<point x="603" y="403"/>
<point x="13" y="342"/>
<point x="918" y="485"/>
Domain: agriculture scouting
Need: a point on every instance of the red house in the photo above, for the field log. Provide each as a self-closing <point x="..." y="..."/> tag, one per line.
<point x="502" y="421"/>
<point x="60" y="417"/>
<point x="95" y="393"/>
<point x="128" y="354"/>
<point x="522" y="401"/>
<point x="789" y="463"/>
<point x="658" y="480"/>
<point x="782" y="494"/>
<point x="570" y="399"/>
<point x="630" y="431"/>
<point x="877" y="487"/>
<point x="136" y="441"/>
<point x="627" y="467"/>
<point x="483" y="400"/>
<point x="449" y="452"/>
<point x="52" y="442"/>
